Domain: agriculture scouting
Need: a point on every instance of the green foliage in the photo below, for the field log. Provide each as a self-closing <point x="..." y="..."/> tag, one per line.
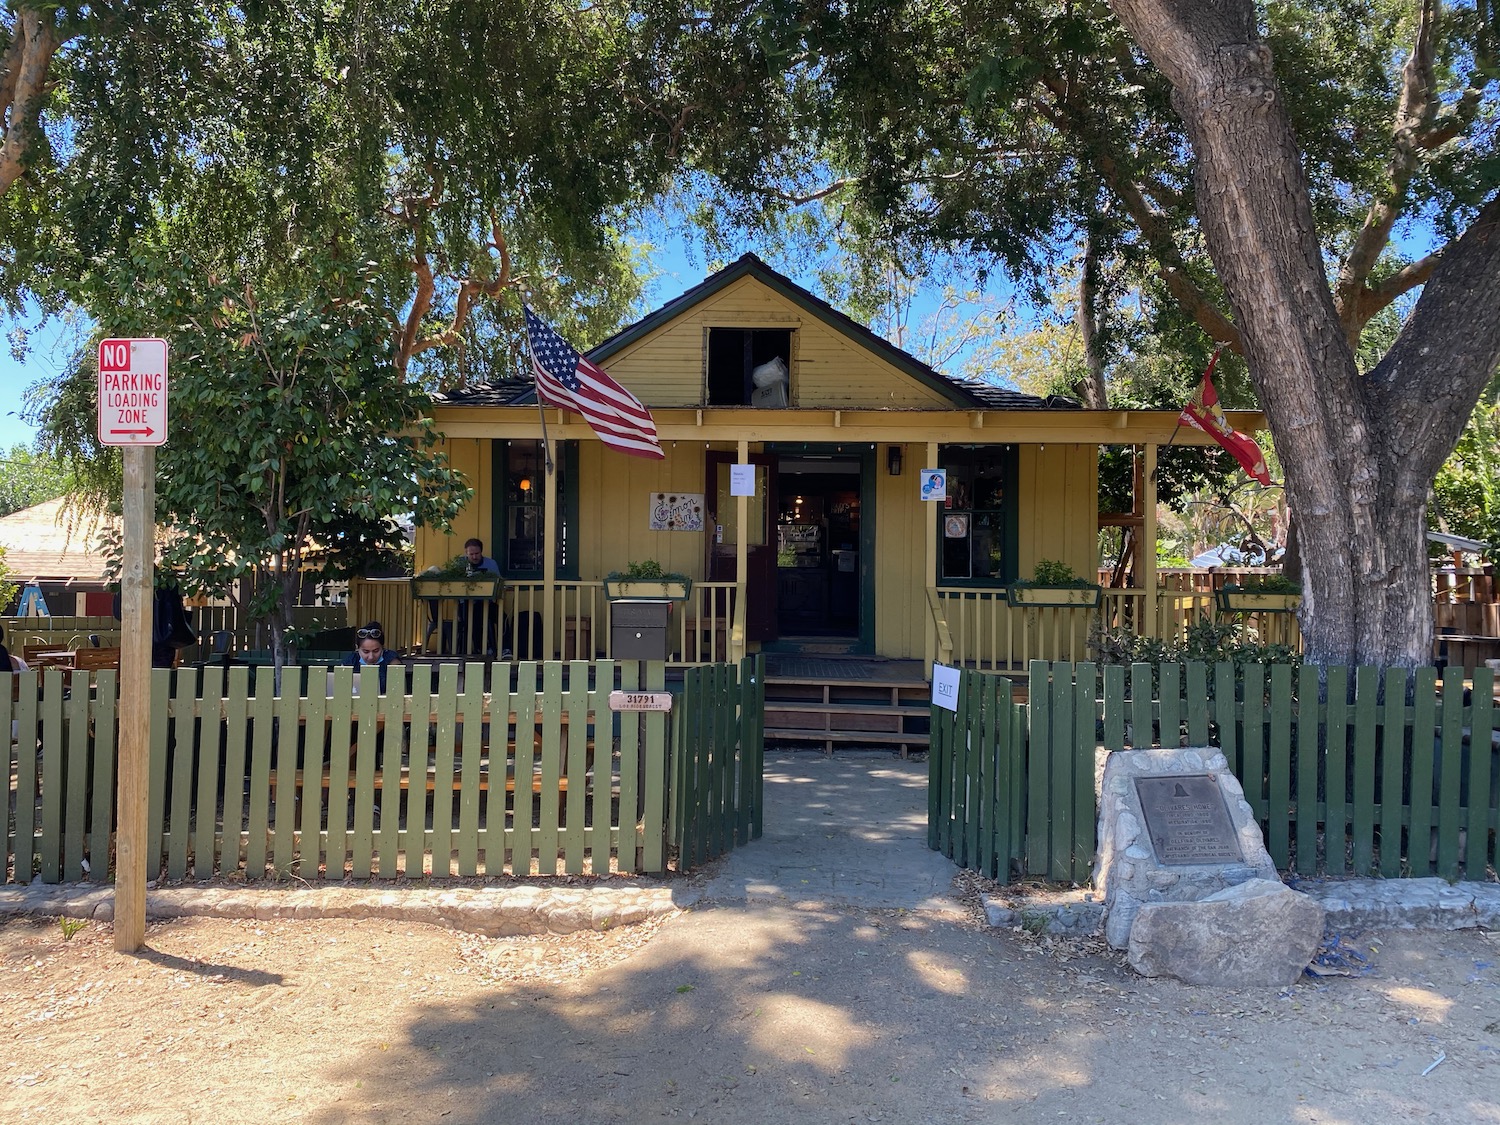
<point x="28" y="478"/>
<point x="8" y="589"/>
<point x="71" y="927"/>
<point x="1207" y="641"/>
<point x="646" y="570"/>
<point x="456" y="567"/>
<point x="1264" y="584"/>
<point x="294" y="442"/>
<point x="1466" y="491"/>
<point x="1050" y="572"/>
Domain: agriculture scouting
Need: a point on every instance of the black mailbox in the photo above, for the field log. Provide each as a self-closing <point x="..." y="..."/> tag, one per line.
<point x="638" y="629"/>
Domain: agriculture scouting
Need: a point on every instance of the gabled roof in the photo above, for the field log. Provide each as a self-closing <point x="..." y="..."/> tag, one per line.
<point x="43" y="543"/>
<point x="964" y="394"/>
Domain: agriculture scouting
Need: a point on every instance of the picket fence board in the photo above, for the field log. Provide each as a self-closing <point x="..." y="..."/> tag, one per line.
<point x="52" y="777"/>
<point x="1447" y="781"/>
<point x="310" y="837"/>
<point x="1483" y="814"/>
<point x="101" y="822"/>
<point x="1336" y="815"/>
<point x="1308" y="755"/>
<point x="1366" y="688"/>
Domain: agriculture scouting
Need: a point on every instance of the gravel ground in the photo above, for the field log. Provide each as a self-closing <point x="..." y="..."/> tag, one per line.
<point x="726" y="1013"/>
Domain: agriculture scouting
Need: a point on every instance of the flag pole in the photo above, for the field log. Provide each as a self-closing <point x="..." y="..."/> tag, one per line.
<point x="1208" y="372"/>
<point x="541" y="409"/>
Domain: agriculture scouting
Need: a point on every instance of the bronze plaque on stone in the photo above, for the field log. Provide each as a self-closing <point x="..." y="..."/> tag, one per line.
<point x="1187" y="820"/>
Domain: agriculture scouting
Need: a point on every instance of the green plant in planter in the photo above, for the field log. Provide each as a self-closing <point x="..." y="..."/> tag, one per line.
<point x="1264" y="584"/>
<point x="646" y="579"/>
<point x="1050" y="575"/>
<point x="1050" y="572"/>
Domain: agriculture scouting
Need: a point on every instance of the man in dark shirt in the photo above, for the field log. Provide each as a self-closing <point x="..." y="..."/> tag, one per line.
<point x="486" y="616"/>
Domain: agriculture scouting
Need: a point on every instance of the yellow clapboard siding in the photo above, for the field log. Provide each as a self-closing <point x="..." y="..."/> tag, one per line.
<point x="473" y="458"/>
<point x="828" y="369"/>
<point x="614" y="510"/>
<point x="1058" y="513"/>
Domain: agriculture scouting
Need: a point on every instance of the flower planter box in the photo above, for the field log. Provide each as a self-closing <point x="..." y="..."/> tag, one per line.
<point x="486" y="588"/>
<point x="1078" y="597"/>
<point x="1242" y="601"/>
<point x="655" y="589"/>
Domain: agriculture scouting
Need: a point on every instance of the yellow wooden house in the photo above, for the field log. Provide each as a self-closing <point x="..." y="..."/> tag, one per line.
<point x="836" y="550"/>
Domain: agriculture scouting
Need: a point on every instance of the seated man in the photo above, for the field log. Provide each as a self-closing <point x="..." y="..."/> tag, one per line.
<point x="479" y="631"/>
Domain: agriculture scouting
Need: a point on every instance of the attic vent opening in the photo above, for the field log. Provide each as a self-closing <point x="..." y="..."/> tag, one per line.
<point x="742" y="370"/>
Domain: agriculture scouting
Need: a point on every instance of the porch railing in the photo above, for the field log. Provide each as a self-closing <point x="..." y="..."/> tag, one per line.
<point x="703" y="628"/>
<point x="987" y="633"/>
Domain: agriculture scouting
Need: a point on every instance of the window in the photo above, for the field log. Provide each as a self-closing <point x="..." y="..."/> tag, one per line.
<point x="977" y="523"/>
<point x="519" y="525"/>
<point x="734" y="353"/>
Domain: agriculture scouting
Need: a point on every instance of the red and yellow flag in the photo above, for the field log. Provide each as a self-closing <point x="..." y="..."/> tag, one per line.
<point x="1204" y="413"/>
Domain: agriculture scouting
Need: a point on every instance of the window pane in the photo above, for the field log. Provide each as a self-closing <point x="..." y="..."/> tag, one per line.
<point x="972" y="521"/>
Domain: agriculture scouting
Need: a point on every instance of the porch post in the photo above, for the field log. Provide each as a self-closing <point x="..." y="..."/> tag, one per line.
<point x="929" y="575"/>
<point x="1147" y="549"/>
<point x="549" y="552"/>
<point x="742" y="545"/>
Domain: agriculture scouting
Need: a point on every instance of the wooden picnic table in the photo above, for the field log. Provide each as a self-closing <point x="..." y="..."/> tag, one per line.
<point x="63" y="658"/>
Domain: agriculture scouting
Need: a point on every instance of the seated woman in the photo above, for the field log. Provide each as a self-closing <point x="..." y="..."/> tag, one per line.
<point x="370" y="651"/>
<point x="9" y="663"/>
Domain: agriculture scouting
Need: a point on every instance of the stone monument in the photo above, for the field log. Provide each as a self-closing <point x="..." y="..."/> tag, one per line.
<point x="1189" y="888"/>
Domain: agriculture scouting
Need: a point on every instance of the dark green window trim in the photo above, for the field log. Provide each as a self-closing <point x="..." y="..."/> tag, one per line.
<point x="567" y="465"/>
<point x="955" y="458"/>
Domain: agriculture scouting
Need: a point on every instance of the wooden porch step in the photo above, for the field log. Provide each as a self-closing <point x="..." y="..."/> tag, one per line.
<point x="874" y="685"/>
<point x="892" y="738"/>
<point x="869" y="708"/>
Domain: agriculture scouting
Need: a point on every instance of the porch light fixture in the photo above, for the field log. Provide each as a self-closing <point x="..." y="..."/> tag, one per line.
<point x="893" y="460"/>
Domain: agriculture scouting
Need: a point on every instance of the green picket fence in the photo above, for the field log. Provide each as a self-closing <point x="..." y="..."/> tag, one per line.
<point x="976" y="769"/>
<point x="718" y="785"/>
<point x="1347" y="777"/>
<point x="444" y="777"/>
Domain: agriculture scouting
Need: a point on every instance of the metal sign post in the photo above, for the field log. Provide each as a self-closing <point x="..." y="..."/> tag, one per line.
<point x="133" y="414"/>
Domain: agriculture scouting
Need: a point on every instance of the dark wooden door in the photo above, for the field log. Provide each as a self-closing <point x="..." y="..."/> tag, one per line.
<point x="760" y="536"/>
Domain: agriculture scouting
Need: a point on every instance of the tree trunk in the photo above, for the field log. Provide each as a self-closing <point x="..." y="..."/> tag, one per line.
<point x="1359" y="454"/>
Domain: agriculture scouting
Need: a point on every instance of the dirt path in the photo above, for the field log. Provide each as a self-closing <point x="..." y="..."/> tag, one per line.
<point x="726" y="1015"/>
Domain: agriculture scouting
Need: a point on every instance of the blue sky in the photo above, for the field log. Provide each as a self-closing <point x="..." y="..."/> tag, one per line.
<point x="45" y="357"/>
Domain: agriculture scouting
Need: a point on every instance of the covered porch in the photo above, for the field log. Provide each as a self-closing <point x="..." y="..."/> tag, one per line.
<point x="899" y="606"/>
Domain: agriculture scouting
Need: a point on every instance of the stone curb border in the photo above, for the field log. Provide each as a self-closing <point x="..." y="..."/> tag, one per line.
<point x="507" y="911"/>
<point x="1350" y="904"/>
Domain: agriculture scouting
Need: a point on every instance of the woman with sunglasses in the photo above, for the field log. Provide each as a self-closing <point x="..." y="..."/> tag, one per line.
<point x="370" y="651"/>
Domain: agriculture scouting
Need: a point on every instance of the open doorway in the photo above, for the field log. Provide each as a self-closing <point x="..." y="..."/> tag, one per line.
<point x="817" y="547"/>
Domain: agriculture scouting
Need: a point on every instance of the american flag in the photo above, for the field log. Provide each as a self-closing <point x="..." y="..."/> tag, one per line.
<point x="564" y="378"/>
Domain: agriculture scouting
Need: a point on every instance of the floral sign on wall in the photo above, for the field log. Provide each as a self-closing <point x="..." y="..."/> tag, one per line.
<point x="677" y="511"/>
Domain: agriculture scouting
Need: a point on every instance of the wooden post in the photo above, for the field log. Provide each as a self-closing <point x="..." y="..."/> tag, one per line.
<point x="549" y="563"/>
<point x="929" y="574"/>
<point x="1146" y="550"/>
<point x="741" y="555"/>
<point x="135" y="696"/>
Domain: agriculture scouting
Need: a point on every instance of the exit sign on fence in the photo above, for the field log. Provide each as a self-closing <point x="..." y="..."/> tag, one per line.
<point x="133" y="392"/>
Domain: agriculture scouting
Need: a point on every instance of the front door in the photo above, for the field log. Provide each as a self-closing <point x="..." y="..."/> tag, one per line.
<point x="819" y="537"/>
<point x="724" y="536"/>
